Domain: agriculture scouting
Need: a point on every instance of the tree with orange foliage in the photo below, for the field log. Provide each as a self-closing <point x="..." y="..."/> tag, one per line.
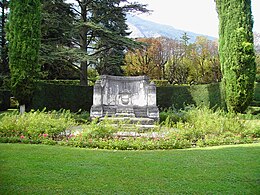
<point x="147" y="60"/>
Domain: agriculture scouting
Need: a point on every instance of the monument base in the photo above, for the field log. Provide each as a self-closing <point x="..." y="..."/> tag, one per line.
<point x="119" y="96"/>
<point x="150" y="114"/>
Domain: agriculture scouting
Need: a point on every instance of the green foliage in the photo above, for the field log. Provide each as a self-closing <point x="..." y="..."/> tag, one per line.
<point x="101" y="34"/>
<point x="256" y="100"/>
<point x="237" y="55"/>
<point x="57" y="96"/>
<point x="5" y="86"/>
<point x="181" y="96"/>
<point x="179" y="129"/>
<point x="257" y="78"/>
<point x="61" y="82"/>
<point x="57" y="29"/>
<point x="81" y="117"/>
<point x="204" y="127"/>
<point x="161" y="83"/>
<point x="169" y="117"/>
<point x="4" y="99"/>
<point x="36" y="125"/>
<point x="5" y="83"/>
<point x="75" y="98"/>
<point x="111" y="59"/>
<point x="258" y="65"/>
<point x="24" y="43"/>
<point x="4" y="69"/>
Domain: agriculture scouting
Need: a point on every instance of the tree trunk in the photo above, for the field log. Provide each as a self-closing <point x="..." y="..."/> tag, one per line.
<point x="22" y="109"/>
<point x="84" y="74"/>
<point x="83" y="44"/>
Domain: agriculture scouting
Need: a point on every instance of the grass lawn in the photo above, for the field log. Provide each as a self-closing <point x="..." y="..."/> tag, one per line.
<point x="41" y="169"/>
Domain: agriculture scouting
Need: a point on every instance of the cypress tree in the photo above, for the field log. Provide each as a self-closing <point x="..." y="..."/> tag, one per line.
<point x="3" y="45"/>
<point x="236" y="50"/>
<point x="24" y="43"/>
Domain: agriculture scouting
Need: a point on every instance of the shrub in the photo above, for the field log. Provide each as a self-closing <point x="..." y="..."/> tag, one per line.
<point x="96" y="130"/>
<point x="204" y="126"/>
<point x="35" y="124"/>
<point x="192" y="127"/>
<point x="161" y="83"/>
<point x="171" y="116"/>
<point x="4" y="100"/>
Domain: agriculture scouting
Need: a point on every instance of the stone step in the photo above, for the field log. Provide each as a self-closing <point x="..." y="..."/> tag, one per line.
<point x="139" y="134"/>
<point x="129" y="120"/>
<point x="135" y="128"/>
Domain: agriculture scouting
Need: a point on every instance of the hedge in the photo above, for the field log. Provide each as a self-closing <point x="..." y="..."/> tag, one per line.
<point x="256" y="99"/>
<point x="4" y="99"/>
<point x="75" y="97"/>
<point x="181" y="96"/>
<point x="57" y="96"/>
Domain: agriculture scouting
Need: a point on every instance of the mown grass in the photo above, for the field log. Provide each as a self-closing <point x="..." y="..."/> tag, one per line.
<point x="42" y="169"/>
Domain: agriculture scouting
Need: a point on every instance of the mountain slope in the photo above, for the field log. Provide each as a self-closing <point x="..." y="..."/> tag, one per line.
<point x="144" y="28"/>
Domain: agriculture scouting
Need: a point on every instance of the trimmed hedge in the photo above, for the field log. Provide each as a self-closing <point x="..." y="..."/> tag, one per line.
<point x="55" y="97"/>
<point x="4" y="99"/>
<point x="257" y="92"/>
<point x="256" y="99"/>
<point x="181" y="96"/>
<point x="61" y="82"/>
<point x="74" y="98"/>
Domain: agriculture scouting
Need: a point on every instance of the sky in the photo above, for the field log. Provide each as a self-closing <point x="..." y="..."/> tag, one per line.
<point x="198" y="16"/>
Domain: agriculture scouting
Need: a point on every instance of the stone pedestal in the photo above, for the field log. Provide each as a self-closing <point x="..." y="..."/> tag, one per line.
<point x="118" y="96"/>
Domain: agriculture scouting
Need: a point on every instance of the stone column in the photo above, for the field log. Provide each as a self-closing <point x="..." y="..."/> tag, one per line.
<point x="151" y="95"/>
<point x="96" y="109"/>
<point x="152" y="109"/>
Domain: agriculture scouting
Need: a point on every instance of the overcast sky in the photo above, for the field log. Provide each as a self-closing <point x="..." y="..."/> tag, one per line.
<point x="197" y="16"/>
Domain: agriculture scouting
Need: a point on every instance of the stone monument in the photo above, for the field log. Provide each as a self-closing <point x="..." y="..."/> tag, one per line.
<point x="124" y="96"/>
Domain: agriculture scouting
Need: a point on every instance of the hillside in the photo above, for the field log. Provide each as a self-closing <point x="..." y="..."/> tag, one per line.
<point x="144" y="28"/>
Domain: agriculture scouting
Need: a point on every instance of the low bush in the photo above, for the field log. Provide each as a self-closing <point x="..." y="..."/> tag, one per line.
<point x="191" y="127"/>
<point x="35" y="124"/>
<point x="97" y="130"/>
<point x="81" y="117"/>
<point x="161" y="83"/>
<point x="203" y="125"/>
<point x="170" y="116"/>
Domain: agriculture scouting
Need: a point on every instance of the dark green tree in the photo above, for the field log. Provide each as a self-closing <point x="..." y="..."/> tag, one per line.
<point x="24" y="43"/>
<point x="94" y="35"/>
<point x="57" y="34"/>
<point x="101" y="33"/>
<point x="3" y="44"/>
<point x="114" y="19"/>
<point x="236" y="50"/>
<point x="112" y="16"/>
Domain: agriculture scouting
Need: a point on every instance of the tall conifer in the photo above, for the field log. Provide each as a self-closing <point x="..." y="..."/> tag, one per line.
<point x="236" y="50"/>
<point x="24" y="43"/>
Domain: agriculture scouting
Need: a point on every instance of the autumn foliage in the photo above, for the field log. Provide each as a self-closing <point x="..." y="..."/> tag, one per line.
<point x="177" y="61"/>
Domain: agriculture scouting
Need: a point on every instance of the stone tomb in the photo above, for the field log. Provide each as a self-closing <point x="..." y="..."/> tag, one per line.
<point x="124" y="97"/>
